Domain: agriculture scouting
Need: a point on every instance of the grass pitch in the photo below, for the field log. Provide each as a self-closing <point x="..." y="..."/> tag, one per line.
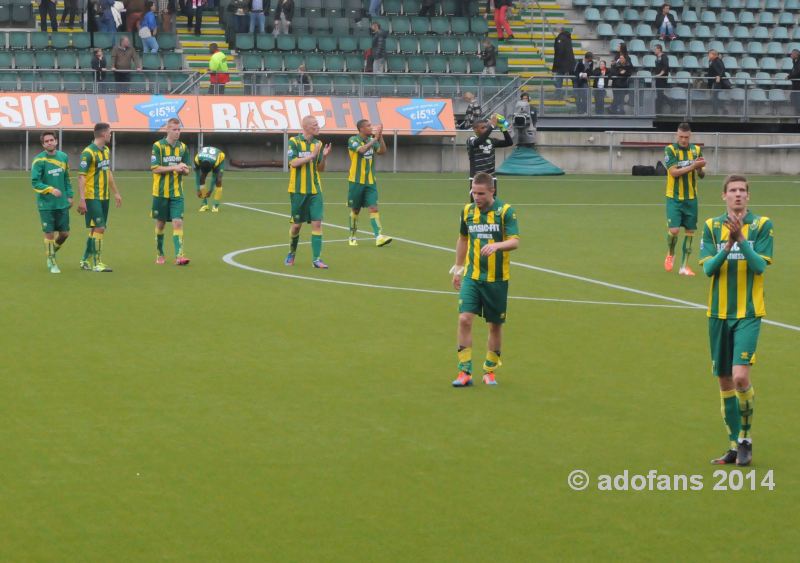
<point x="218" y="413"/>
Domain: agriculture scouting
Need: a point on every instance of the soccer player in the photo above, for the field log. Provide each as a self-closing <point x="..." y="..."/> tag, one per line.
<point x="94" y="181"/>
<point x="363" y="191"/>
<point x="685" y="165"/>
<point x="488" y="234"/>
<point x="169" y="162"/>
<point x="481" y="146"/>
<point x="735" y="251"/>
<point x="306" y="160"/>
<point x="50" y="181"/>
<point x="209" y="159"/>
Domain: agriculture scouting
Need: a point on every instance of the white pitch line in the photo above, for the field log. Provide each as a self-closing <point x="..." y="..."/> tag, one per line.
<point x="457" y="204"/>
<point x="535" y="268"/>
<point x="230" y="259"/>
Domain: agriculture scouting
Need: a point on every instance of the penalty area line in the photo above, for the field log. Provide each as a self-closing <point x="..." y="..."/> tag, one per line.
<point x="531" y="267"/>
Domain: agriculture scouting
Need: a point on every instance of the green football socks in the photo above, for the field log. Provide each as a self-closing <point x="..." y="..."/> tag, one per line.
<point x="687" y="249"/>
<point x="160" y="241"/>
<point x="672" y="241"/>
<point x="316" y="244"/>
<point x="375" y="221"/>
<point x="177" y="240"/>
<point x="746" y="399"/>
<point x="465" y="359"/>
<point x="89" y="252"/>
<point x="98" y="247"/>
<point x="729" y="405"/>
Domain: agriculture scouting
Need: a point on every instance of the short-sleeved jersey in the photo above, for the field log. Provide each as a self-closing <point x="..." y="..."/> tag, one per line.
<point x="362" y="166"/>
<point x="95" y="164"/>
<point x="304" y="179"/>
<point x="210" y="154"/>
<point x="497" y="224"/>
<point x="170" y="184"/>
<point x="49" y="171"/>
<point x="682" y="187"/>
<point x="736" y="291"/>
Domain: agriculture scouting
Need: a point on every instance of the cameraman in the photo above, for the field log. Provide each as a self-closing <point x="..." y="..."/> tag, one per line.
<point x="481" y="147"/>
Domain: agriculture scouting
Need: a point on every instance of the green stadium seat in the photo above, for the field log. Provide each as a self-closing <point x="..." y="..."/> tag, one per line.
<point x="392" y="7"/>
<point x="786" y="18"/>
<point x="103" y="40"/>
<point x="648" y="61"/>
<point x="40" y="40"/>
<point x="420" y="25"/>
<point x="245" y="42"/>
<point x="777" y="96"/>
<point x="173" y="61"/>
<point x="6" y="60"/>
<point x="475" y="65"/>
<point x="67" y="60"/>
<point x="735" y="48"/>
<point x="291" y="61"/>
<point x="407" y="86"/>
<point x="5" y="16"/>
<point x="766" y="18"/>
<point x="469" y="45"/>
<point x="762" y="79"/>
<point x="448" y="45"/>
<point x="253" y="61"/>
<point x="299" y="25"/>
<point x="327" y="43"/>
<point x="643" y="30"/>
<point x="502" y="65"/>
<point x="730" y="63"/>
<point x="458" y="65"/>
<point x="21" y="14"/>
<point x="391" y="44"/>
<point x="384" y="85"/>
<point x="690" y="63"/>
<point x="27" y="81"/>
<point x="417" y="64"/>
<point x="24" y="59"/>
<point x="151" y="61"/>
<point x="707" y="17"/>
<point x="138" y="83"/>
<point x="604" y="30"/>
<point x="319" y="25"/>
<point x="697" y="47"/>
<point x="761" y="33"/>
<point x="612" y="15"/>
<point x="343" y="85"/>
<point x="683" y="30"/>
<point x="322" y="84"/>
<point x="448" y="86"/>
<point x="315" y="62"/>
<point x="437" y="64"/>
<point x="632" y="16"/>
<point x="769" y="64"/>
<point x="728" y="18"/>
<point x="717" y="46"/>
<point x="348" y="44"/>
<point x="754" y="48"/>
<point x="638" y="46"/>
<point x="459" y="25"/>
<point x="354" y="62"/>
<point x="307" y="43"/>
<point x="340" y="26"/>
<point x="85" y="59"/>
<point x="49" y="82"/>
<point x="411" y="7"/>
<point x="649" y="16"/>
<point x="382" y="21"/>
<point x="428" y="86"/>
<point x="796" y="33"/>
<point x="396" y="63"/>
<point x="265" y="42"/>
<point x="479" y="26"/>
<point x="18" y="40"/>
<point x="722" y="32"/>
<point x="8" y="81"/>
<point x="365" y="43"/>
<point x="281" y="83"/>
<point x="286" y="43"/>
<point x="81" y="41"/>
<point x="780" y="34"/>
<point x="167" y="41"/>
<point x="334" y="63"/>
<point x="742" y="33"/>
<point x="775" y="49"/>
<point x="440" y="26"/>
<point x="408" y="45"/>
<point x="428" y="45"/>
<point x="61" y="40"/>
<point x="615" y="43"/>
<point x="400" y="25"/>
<point x="592" y="15"/>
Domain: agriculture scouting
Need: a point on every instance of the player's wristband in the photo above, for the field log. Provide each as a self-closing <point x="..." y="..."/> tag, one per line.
<point x="457" y="270"/>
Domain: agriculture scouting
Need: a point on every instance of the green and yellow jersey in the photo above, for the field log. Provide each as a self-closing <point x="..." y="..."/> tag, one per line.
<point x="362" y="166"/>
<point x="212" y="155"/>
<point x="497" y="224"/>
<point x="682" y="187"/>
<point x="95" y="165"/>
<point x="736" y="291"/>
<point x="169" y="184"/>
<point x="49" y="172"/>
<point x="304" y="179"/>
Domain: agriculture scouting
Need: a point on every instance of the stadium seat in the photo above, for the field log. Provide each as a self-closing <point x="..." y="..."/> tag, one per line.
<point x="18" y="40"/>
<point x="690" y="63"/>
<point x="703" y="32"/>
<point x="752" y="4"/>
<point x="611" y="15"/>
<point x="757" y="95"/>
<point x="748" y="63"/>
<point x="755" y="48"/>
<point x="448" y="45"/>
<point x="718" y="46"/>
<point x="265" y="42"/>
<point x="777" y="96"/>
<point x="689" y="17"/>
<point x="312" y="8"/>
<point x="793" y="5"/>
<point x="85" y="59"/>
<point x="245" y="42"/>
<point x="81" y="41"/>
<point x="408" y="45"/>
<point x="306" y="43"/>
<point x="761" y="33"/>
<point x="780" y="34"/>
<point x="417" y="64"/>
<point x="696" y="47"/>
<point x="637" y="46"/>
<point x="49" y="82"/>
<point x="722" y="32"/>
<point x="437" y="64"/>
<point x="24" y="59"/>
<point x="682" y="78"/>
<point x="60" y="41"/>
<point x="479" y="26"/>
<point x="411" y="7"/>
<point x="74" y="80"/>
<point x="396" y="63"/>
<point x="458" y="65"/>
<point x="428" y="86"/>
<point x="775" y="49"/>
<point x="728" y="18"/>
<point x="786" y="18"/>
<point x="742" y="33"/>
<point x="766" y="18"/>
<point x="385" y="85"/>
<point x="604" y="30"/>
<point x="343" y="85"/>
<point x="354" y="62"/>
<point x="286" y="43"/>
<point x="440" y="26"/>
<point x="151" y="61"/>
<point x="292" y="61"/>
<point x="469" y="46"/>
<point x="21" y="14"/>
<point x="5" y="18"/>
<point x="340" y="27"/>
<point x="796" y="34"/>
<point x="649" y="61"/>
<point x="708" y="17"/>
<point x="67" y="60"/>
<point x="103" y="40"/>
<point x="334" y="63"/>
<point x="300" y="26"/>
<point x="252" y="61"/>
<point x="391" y="44"/>
<point x="763" y="79"/>
<point x="428" y="45"/>
<point x="730" y="63"/>
<point x="475" y="65"/>
<point x="649" y="16"/>
<point x="673" y="61"/>
<point x="319" y="25"/>
<point x="315" y="62"/>
<point x="592" y="15"/>
<point x="6" y="60"/>
<point x="683" y="30"/>
<point x="173" y="61"/>
<point x="742" y="79"/>
<point x="448" y="86"/>
<point x="327" y="43"/>
<point x="167" y="41"/>
<point x="392" y="7"/>
<point x="735" y="48"/>
<point x="420" y="25"/>
<point x="769" y="64"/>
<point x="348" y="44"/>
<point x="643" y="30"/>
<point x="459" y="25"/>
<point x="631" y="15"/>
<point x="272" y="62"/>
<point x="400" y="25"/>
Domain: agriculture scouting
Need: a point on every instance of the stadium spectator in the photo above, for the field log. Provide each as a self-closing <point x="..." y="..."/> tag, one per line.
<point x="794" y="76"/>
<point x="665" y="23"/>
<point x="473" y="113"/>
<point x="563" y="60"/>
<point x="304" y="83"/>
<point x="284" y="12"/>
<point x="602" y="79"/>
<point x="148" y="28"/>
<point x="123" y="61"/>
<point x="378" y="48"/>
<point x="218" y="70"/>
<point x="167" y="10"/>
<point x="48" y="8"/>
<point x="99" y="67"/>
<point x="71" y="8"/>
<point x="374" y="8"/>
<point x="104" y="10"/>
<point x="134" y="11"/>
<point x="427" y="8"/>
<point x="621" y="71"/>
<point x="489" y="57"/>
<point x="195" y="15"/>
<point x="661" y="74"/>
<point x="583" y="70"/>
<point x="501" y="8"/>
<point x="257" y="18"/>
<point x="716" y="73"/>
<point x="238" y="20"/>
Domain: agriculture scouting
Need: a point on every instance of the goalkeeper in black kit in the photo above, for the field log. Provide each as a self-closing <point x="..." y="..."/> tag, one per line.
<point x="481" y="146"/>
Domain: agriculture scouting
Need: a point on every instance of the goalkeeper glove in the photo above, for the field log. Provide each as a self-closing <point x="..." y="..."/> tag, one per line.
<point x="502" y="122"/>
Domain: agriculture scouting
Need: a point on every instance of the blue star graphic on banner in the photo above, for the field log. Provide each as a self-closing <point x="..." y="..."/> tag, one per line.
<point x="159" y="109"/>
<point x="423" y="114"/>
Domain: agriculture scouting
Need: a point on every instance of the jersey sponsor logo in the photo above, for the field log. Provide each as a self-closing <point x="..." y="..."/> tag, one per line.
<point x="172" y="159"/>
<point x="55" y="172"/>
<point x="103" y="164"/>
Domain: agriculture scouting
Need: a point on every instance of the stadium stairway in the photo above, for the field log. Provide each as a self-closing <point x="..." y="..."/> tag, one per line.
<point x="195" y="49"/>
